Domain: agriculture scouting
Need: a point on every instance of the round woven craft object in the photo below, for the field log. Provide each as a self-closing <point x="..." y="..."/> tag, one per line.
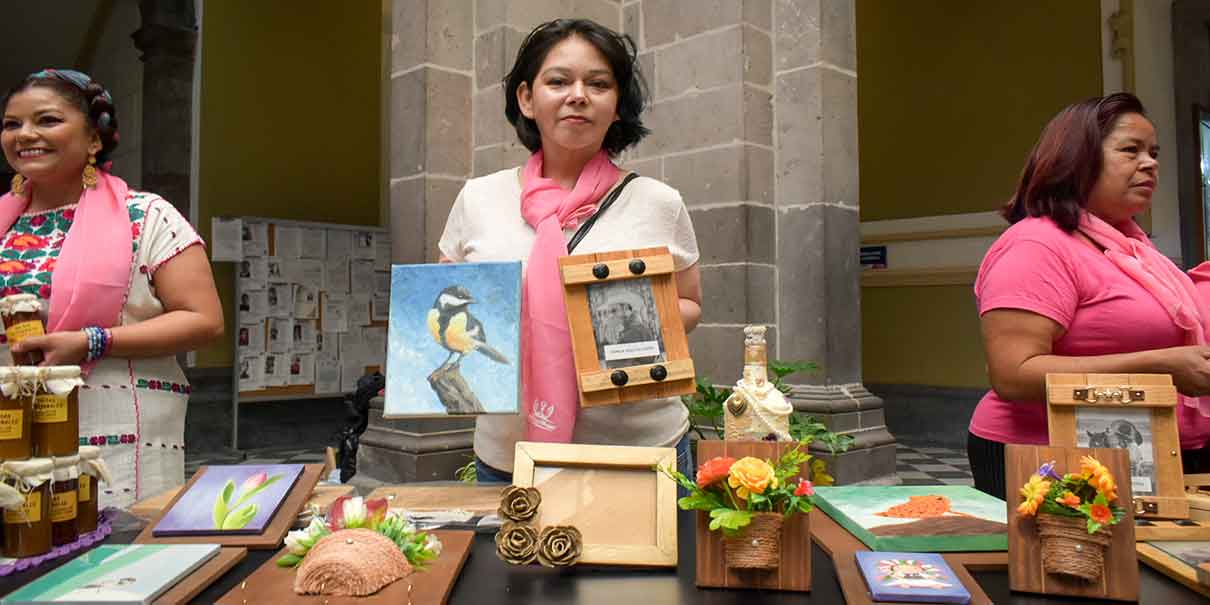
<point x="1068" y="548"/>
<point x="758" y="546"/>
<point x="351" y="562"/>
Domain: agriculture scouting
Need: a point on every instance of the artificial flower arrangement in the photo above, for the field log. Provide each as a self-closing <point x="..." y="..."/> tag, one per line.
<point x="1075" y="513"/>
<point x="747" y="499"/>
<point x="360" y="547"/>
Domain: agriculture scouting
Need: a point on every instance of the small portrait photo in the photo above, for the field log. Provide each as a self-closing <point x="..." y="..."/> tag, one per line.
<point x="273" y="331"/>
<point x="275" y="268"/>
<point x="297" y="332"/>
<point x="245" y="267"/>
<point x="244" y="367"/>
<point x="246" y="233"/>
<point x="625" y="323"/>
<point x="270" y="365"/>
<point x="1127" y="429"/>
<point x="295" y="365"/>
<point x="243" y="336"/>
<point x="272" y="297"/>
<point x="244" y="303"/>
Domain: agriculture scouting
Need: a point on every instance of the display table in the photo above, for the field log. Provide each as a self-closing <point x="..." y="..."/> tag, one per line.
<point x="486" y="579"/>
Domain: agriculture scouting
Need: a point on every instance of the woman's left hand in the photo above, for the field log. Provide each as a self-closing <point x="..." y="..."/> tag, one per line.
<point x="58" y="348"/>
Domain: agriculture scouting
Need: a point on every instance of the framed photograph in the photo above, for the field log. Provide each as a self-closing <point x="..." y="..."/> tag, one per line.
<point x="626" y="331"/>
<point x="453" y="340"/>
<point x="1134" y="412"/>
<point x="624" y="508"/>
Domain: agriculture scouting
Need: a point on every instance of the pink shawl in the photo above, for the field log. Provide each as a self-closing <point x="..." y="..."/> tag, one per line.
<point x="1128" y="247"/>
<point x="90" y="279"/>
<point x="551" y="397"/>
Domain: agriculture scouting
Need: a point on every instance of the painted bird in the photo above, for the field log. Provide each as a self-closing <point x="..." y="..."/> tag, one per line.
<point x="454" y="328"/>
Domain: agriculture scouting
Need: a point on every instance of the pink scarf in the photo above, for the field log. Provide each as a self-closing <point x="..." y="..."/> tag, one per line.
<point x="1130" y="249"/>
<point x="551" y="396"/>
<point x="90" y="279"/>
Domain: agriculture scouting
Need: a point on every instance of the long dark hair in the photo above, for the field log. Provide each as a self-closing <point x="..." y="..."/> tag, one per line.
<point x="619" y="50"/>
<point x="1066" y="161"/>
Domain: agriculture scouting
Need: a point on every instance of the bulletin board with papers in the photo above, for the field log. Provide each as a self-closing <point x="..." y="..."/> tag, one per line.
<point x="311" y="306"/>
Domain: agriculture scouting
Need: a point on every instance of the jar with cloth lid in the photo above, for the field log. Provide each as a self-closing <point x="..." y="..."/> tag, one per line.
<point x="16" y="416"/>
<point x="25" y="497"/>
<point x="56" y="404"/>
<point x="22" y="315"/>
<point x="64" y="500"/>
<point x="92" y="470"/>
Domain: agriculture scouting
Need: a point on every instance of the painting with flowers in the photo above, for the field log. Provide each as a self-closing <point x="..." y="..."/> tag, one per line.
<point x="733" y="491"/>
<point x="234" y="499"/>
<point x="1090" y="495"/>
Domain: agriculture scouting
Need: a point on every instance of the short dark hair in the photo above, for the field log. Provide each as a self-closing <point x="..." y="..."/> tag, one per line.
<point x="92" y="101"/>
<point x="1066" y="161"/>
<point x="619" y="50"/>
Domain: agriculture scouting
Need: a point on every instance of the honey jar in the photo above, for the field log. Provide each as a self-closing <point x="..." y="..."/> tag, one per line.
<point x="25" y="497"/>
<point x="56" y="405"/>
<point x="64" y="500"/>
<point x="16" y="416"/>
<point x="92" y="470"/>
<point x="22" y="315"/>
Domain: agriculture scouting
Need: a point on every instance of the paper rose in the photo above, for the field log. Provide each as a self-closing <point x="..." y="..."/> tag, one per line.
<point x="519" y="503"/>
<point x="559" y="546"/>
<point x="517" y="543"/>
<point x="713" y="470"/>
<point x="751" y="476"/>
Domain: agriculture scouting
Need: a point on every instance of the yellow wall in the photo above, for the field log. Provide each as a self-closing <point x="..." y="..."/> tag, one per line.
<point x="952" y="94"/>
<point x="290" y="118"/>
<point x="951" y="97"/>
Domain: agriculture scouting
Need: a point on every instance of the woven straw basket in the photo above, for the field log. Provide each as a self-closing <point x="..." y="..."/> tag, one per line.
<point x="758" y="546"/>
<point x="1068" y="548"/>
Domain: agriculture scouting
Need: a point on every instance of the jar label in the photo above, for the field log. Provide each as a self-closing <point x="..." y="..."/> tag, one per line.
<point x="85" y="487"/>
<point x="22" y="330"/>
<point x="49" y="407"/>
<point x="10" y="424"/>
<point x="30" y="512"/>
<point x="63" y="506"/>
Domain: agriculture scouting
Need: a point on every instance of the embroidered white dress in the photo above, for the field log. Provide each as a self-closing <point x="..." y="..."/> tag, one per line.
<point x="134" y="409"/>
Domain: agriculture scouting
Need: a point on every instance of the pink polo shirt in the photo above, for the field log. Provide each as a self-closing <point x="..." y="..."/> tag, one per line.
<point x="1037" y="267"/>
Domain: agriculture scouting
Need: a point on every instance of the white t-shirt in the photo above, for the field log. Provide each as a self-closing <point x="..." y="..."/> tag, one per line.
<point x="485" y="224"/>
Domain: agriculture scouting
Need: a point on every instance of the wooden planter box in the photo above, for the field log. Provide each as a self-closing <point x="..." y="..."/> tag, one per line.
<point x="794" y="572"/>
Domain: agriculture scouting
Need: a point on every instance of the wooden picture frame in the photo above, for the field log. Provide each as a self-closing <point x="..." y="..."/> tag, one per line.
<point x="628" y="517"/>
<point x="275" y="532"/>
<point x="621" y="295"/>
<point x="1076" y="402"/>
<point x="1165" y="563"/>
<point x="1120" y="578"/>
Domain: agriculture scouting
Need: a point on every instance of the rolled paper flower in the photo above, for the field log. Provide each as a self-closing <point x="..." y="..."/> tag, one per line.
<point x="519" y="503"/>
<point x="559" y="546"/>
<point x="517" y="543"/>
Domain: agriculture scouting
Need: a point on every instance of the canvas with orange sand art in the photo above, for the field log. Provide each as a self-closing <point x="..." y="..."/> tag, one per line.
<point x="940" y="518"/>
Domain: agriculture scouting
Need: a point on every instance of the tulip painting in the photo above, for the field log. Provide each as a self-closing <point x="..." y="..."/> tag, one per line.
<point x="230" y="499"/>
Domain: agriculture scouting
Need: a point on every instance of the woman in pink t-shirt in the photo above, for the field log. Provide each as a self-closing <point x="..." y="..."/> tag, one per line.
<point x="1075" y="286"/>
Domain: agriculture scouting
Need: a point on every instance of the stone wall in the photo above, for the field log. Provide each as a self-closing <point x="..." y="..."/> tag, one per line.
<point x="116" y="65"/>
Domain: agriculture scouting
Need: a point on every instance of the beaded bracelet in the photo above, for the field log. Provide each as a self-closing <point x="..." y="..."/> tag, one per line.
<point x="99" y="341"/>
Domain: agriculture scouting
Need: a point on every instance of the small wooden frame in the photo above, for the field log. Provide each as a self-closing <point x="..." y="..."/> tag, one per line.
<point x="1173" y="567"/>
<point x="275" y="531"/>
<point x="624" y="508"/>
<point x="619" y="302"/>
<point x="1077" y="401"/>
<point x="273" y="584"/>
<point x="841" y="546"/>
<point x="193" y="584"/>
<point x="793" y="572"/>
<point x="1120" y="580"/>
<point x="1161" y="529"/>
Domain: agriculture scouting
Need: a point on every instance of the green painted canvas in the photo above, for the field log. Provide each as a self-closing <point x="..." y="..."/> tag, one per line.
<point x="942" y="518"/>
<point x="133" y="574"/>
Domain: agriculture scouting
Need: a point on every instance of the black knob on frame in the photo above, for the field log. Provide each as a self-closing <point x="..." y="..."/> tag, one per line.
<point x="637" y="266"/>
<point x="659" y="373"/>
<point x="600" y="270"/>
<point x="619" y="378"/>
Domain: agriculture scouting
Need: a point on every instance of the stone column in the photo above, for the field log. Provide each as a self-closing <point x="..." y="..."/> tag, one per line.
<point x="431" y="63"/>
<point x="168" y="40"/>
<point x="817" y="227"/>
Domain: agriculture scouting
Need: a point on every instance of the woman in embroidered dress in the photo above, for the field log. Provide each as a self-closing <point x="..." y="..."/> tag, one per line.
<point x="1076" y="286"/>
<point x="574" y="97"/>
<point x="108" y="262"/>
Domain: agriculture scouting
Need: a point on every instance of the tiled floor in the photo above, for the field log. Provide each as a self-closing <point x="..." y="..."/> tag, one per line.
<point x="916" y="466"/>
<point x="933" y="466"/>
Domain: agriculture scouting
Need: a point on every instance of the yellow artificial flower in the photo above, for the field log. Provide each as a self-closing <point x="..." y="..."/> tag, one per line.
<point x="1099" y="477"/>
<point x="1033" y="493"/>
<point x="751" y="476"/>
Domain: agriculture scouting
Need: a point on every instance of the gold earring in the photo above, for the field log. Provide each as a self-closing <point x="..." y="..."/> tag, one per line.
<point x="90" y="172"/>
<point x="18" y="185"/>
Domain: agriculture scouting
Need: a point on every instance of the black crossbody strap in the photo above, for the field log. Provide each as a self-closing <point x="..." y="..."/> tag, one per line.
<point x="609" y="199"/>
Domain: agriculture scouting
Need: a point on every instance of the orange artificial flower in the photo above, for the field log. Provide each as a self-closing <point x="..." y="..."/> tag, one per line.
<point x="1069" y="499"/>
<point x="751" y="476"/>
<point x="1100" y="513"/>
<point x="713" y="470"/>
<point x="1033" y="493"/>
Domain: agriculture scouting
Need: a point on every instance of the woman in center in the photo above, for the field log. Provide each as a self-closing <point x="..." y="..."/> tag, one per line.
<point x="574" y="96"/>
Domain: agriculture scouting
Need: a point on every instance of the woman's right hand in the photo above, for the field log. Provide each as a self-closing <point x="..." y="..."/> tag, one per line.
<point x="1190" y="368"/>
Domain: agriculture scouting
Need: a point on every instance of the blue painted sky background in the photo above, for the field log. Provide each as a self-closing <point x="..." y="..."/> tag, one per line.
<point x="412" y="354"/>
